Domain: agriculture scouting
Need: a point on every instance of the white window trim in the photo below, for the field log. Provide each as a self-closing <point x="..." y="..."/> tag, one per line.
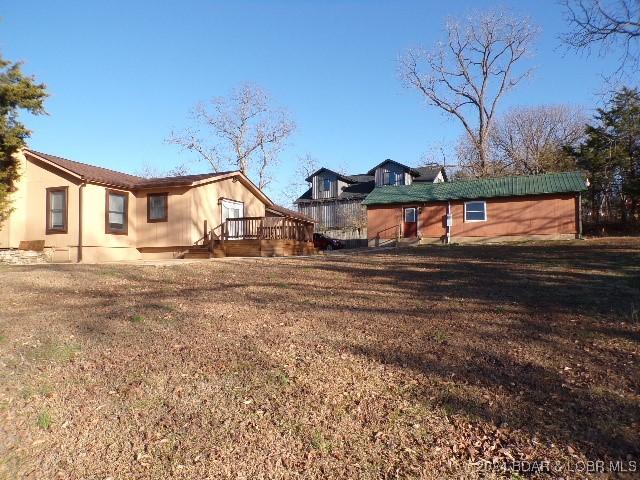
<point x="485" y="211"/>
<point x="234" y="204"/>
<point x="415" y="214"/>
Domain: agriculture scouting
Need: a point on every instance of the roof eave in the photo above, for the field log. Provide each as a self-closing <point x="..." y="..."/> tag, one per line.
<point x="53" y="164"/>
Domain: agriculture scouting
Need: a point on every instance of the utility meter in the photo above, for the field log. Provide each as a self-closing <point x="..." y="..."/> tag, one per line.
<point x="449" y="220"/>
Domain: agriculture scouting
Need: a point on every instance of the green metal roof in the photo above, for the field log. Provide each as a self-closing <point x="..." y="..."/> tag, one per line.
<point x="567" y="182"/>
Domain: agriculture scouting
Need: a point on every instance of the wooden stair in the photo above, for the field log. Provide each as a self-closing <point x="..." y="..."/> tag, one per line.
<point x="199" y="251"/>
<point x="202" y="251"/>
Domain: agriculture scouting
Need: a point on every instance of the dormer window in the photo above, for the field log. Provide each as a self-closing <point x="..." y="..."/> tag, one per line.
<point x="326" y="184"/>
<point x="389" y="178"/>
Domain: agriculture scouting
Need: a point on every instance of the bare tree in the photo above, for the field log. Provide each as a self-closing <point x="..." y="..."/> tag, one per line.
<point x="436" y="154"/>
<point x="471" y="166"/>
<point x="242" y="131"/>
<point x="353" y="216"/>
<point x="531" y="140"/>
<point x="468" y="75"/>
<point x="306" y="165"/>
<point x="606" y="25"/>
<point x="149" y="170"/>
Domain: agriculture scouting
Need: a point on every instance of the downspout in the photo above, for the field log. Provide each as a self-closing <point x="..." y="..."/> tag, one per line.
<point x="449" y="221"/>
<point x="80" y="189"/>
<point x="580" y="215"/>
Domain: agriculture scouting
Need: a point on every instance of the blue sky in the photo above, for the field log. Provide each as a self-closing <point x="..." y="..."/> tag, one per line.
<point x="122" y="75"/>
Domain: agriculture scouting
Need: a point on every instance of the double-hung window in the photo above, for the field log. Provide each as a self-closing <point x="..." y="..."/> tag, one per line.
<point x="116" y="212"/>
<point x="57" y="210"/>
<point x="157" y="207"/>
<point x="475" y="211"/>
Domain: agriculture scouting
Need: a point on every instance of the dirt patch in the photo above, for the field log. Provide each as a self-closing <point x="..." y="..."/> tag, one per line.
<point x="429" y="362"/>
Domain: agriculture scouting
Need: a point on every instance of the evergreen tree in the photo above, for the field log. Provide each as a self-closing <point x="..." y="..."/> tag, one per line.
<point x="611" y="156"/>
<point x="17" y="92"/>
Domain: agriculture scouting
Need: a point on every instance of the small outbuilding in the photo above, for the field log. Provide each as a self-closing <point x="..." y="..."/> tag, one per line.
<point x="491" y="209"/>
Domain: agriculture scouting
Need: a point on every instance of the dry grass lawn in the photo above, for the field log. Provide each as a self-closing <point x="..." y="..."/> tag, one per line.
<point x="421" y="363"/>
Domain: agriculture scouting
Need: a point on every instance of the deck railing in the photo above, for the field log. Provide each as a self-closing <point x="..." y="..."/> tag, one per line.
<point x="267" y="228"/>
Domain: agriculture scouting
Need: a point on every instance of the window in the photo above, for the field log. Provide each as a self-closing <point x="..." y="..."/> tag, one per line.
<point x="389" y="178"/>
<point x="410" y="215"/>
<point x="57" y="210"/>
<point x="157" y="207"/>
<point x="326" y="184"/>
<point x="116" y="212"/>
<point x="475" y="211"/>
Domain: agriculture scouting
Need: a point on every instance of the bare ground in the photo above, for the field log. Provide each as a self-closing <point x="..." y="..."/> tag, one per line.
<point x="418" y="363"/>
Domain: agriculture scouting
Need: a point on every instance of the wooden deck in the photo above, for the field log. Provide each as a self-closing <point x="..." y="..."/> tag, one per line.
<point x="256" y="237"/>
<point x="267" y="248"/>
<point x="266" y="237"/>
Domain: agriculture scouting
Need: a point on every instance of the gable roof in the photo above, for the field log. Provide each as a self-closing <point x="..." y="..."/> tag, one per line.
<point x="90" y="173"/>
<point x="567" y="182"/>
<point x="344" y="178"/>
<point x="429" y="173"/>
<point x="362" y="177"/>
<point x="358" y="190"/>
<point x="308" y="195"/>
<point x="413" y="171"/>
<point x="180" y="180"/>
<point x="361" y="184"/>
<point x="105" y="176"/>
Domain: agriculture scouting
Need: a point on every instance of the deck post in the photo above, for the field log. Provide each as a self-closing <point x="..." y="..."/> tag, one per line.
<point x="206" y="233"/>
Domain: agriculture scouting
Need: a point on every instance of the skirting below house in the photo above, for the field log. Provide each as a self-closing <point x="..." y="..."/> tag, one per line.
<point x="13" y="256"/>
<point x="267" y="248"/>
<point x="499" y="239"/>
<point x="161" y="253"/>
<point x="104" y="254"/>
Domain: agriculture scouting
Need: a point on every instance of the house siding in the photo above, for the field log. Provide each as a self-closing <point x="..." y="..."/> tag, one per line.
<point x="333" y="214"/>
<point x="403" y="177"/>
<point x="28" y="220"/>
<point x="553" y="216"/>
<point x="205" y="205"/>
<point x="383" y="224"/>
<point x="317" y="184"/>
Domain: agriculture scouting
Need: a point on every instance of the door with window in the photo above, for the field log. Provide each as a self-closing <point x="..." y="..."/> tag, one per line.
<point x="232" y="209"/>
<point x="410" y="222"/>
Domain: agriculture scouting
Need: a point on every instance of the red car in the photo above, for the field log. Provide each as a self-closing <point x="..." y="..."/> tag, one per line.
<point x="325" y="243"/>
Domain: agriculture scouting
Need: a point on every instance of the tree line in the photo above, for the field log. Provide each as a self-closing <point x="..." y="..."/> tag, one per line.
<point x="467" y="75"/>
<point x="484" y="56"/>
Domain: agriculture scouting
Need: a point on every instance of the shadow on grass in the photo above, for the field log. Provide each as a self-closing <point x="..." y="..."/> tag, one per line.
<point x="509" y="320"/>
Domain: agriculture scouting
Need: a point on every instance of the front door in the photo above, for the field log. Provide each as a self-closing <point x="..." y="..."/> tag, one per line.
<point x="410" y="222"/>
<point x="232" y="209"/>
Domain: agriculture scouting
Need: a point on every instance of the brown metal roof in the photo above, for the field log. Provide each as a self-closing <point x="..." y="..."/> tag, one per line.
<point x="178" y="180"/>
<point x="106" y="176"/>
<point x="290" y="213"/>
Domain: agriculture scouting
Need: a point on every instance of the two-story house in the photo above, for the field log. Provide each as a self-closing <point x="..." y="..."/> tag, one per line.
<point x="335" y="200"/>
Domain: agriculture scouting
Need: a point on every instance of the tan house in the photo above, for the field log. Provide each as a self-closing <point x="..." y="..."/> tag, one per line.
<point x="87" y="213"/>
